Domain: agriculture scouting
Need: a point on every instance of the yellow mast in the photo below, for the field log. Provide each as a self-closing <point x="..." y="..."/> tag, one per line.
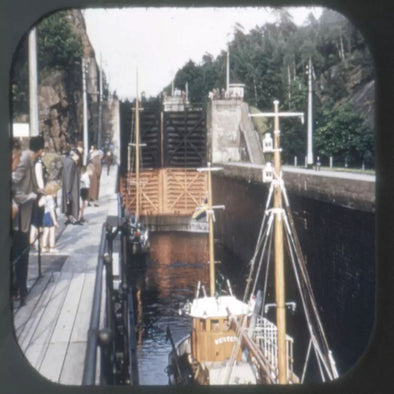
<point x="210" y="213"/>
<point x="137" y="154"/>
<point x="278" y="240"/>
<point x="212" y="279"/>
<point x="279" y="256"/>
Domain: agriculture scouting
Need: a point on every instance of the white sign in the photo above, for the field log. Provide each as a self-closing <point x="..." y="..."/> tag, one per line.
<point x="20" y="130"/>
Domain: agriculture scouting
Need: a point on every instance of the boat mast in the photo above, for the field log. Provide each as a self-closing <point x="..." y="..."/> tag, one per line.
<point x="137" y="154"/>
<point x="137" y="146"/>
<point x="279" y="255"/>
<point x="278" y="239"/>
<point x="210" y="213"/>
<point x="212" y="279"/>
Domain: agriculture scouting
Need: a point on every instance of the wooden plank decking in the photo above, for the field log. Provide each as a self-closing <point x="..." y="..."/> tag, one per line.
<point x="52" y="327"/>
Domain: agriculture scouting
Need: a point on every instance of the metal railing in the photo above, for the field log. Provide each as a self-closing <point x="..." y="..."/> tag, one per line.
<point x="113" y="341"/>
<point x="89" y="373"/>
<point x="265" y="335"/>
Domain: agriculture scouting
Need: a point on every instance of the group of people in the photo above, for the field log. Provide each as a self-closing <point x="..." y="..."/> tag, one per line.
<point x="25" y="193"/>
<point x="81" y="184"/>
<point x="34" y="201"/>
<point x="223" y="94"/>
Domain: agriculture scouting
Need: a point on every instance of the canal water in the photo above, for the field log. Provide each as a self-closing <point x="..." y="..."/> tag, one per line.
<point x="165" y="280"/>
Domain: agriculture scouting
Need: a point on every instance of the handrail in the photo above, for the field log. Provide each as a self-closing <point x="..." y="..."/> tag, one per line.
<point x="117" y="184"/>
<point x="120" y="209"/>
<point x="89" y="373"/>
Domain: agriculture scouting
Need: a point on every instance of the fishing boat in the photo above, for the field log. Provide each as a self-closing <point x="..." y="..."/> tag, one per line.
<point x="232" y="341"/>
<point x="138" y="234"/>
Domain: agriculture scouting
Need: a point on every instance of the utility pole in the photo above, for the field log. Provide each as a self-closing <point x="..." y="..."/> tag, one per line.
<point x="310" y="131"/>
<point x="85" y="112"/>
<point x="228" y="69"/>
<point x="278" y="239"/>
<point x="33" y="102"/>
<point x="100" y="114"/>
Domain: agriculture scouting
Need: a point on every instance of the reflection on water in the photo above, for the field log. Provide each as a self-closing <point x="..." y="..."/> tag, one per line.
<point x="164" y="282"/>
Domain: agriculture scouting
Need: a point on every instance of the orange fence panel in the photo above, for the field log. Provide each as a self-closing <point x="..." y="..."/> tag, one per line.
<point x="165" y="191"/>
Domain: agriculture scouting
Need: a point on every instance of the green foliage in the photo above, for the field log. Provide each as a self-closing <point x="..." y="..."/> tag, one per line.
<point x="271" y="61"/>
<point x="19" y="81"/>
<point x="58" y="47"/>
<point x="345" y="135"/>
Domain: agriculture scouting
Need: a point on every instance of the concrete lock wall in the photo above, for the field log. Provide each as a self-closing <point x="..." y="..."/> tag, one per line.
<point x="224" y="138"/>
<point x="337" y="241"/>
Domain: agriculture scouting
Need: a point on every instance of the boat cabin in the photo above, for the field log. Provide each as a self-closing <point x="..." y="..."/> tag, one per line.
<point x="213" y="336"/>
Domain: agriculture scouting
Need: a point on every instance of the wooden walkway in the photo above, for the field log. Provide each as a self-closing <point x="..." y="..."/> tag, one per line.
<point x="52" y="327"/>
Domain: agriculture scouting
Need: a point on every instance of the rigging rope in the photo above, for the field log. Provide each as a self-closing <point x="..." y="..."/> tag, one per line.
<point x="304" y="292"/>
<point x="268" y="236"/>
<point x="305" y="277"/>
<point x="262" y="361"/>
<point x="234" y="351"/>
<point x="308" y="352"/>
<point x="258" y="244"/>
<point x="301" y="275"/>
<point x="267" y="271"/>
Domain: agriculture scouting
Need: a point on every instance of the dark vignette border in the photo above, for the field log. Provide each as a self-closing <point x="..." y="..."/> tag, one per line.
<point x="374" y="373"/>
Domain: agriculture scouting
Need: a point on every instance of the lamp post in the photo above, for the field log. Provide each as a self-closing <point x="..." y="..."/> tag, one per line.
<point x="85" y="112"/>
<point x="33" y="105"/>
<point x="310" y="128"/>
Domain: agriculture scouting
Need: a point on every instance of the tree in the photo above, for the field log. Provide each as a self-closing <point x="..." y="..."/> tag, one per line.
<point x="19" y="81"/>
<point x="58" y="47"/>
<point x="271" y="59"/>
<point x="345" y="135"/>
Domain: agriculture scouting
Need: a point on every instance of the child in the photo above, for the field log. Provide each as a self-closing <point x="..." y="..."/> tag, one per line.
<point x="85" y="185"/>
<point x="49" y="221"/>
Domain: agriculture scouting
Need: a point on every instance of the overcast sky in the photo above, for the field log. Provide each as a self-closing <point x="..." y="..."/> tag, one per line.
<point x="159" y="41"/>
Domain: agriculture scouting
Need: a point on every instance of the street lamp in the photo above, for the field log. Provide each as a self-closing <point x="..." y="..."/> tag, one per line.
<point x="310" y="131"/>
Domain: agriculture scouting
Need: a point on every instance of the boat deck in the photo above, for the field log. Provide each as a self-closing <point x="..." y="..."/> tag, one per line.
<point x="52" y="327"/>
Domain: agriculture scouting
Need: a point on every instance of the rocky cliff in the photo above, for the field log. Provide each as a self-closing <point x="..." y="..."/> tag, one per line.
<point x="60" y="97"/>
<point x="62" y="42"/>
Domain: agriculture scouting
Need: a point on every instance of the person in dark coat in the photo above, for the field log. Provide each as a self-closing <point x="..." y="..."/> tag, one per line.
<point x="25" y="187"/>
<point x="70" y="188"/>
<point x="96" y="160"/>
<point x="108" y="160"/>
